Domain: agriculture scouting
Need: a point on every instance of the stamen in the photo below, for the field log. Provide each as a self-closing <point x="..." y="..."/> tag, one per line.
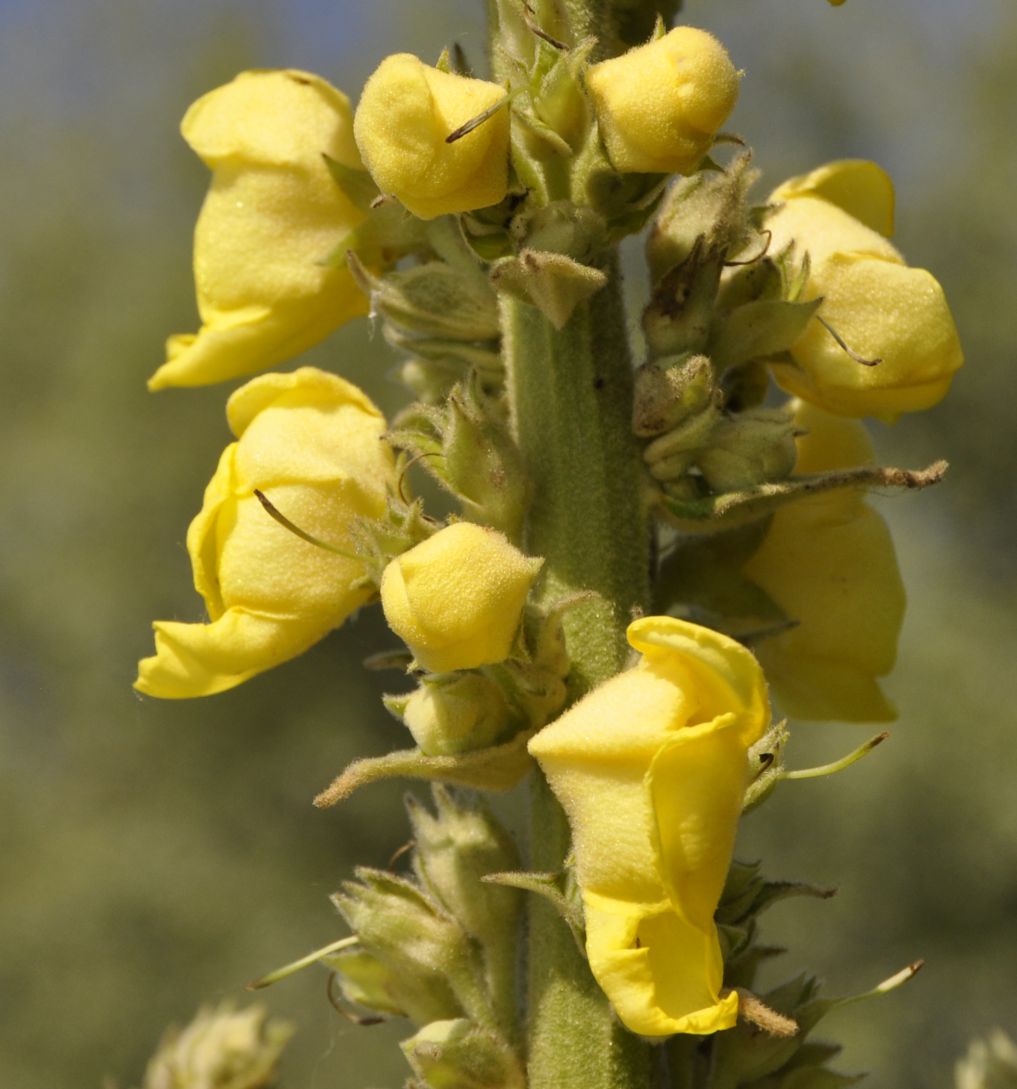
<point x="281" y="518"/>
<point x="840" y="341"/>
<point x="476" y="122"/>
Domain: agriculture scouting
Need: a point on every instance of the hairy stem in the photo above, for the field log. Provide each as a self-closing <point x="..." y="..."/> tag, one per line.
<point x="571" y="395"/>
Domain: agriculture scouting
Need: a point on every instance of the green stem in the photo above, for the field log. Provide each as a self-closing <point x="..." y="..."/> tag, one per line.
<point x="571" y="392"/>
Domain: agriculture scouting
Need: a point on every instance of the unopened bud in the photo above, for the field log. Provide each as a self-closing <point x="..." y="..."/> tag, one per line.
<point x="455" y="714"/>
<point x="460" y="1055"/>
<point x="670" y="391"/>
<point x="756" y="447"/>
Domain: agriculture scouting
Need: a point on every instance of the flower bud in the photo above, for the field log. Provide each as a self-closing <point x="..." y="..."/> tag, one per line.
<point x="221" y="1047"/>
<point x="659" y="106"/>
<point x="273" y="214"/>
<point x="457" y="598"/>
<point x="893" y="316"/>
<point x="651" y="768"/>
<point x="461" y="1055"/>
<point x="828" y="562"/>
<point x="406" y="112"/>
<point x="755" y="447"/>
<point x="313" y="441"/>
<point x="454" y="715"/>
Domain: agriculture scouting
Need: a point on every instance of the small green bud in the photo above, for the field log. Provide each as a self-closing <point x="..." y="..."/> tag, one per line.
<point x="418" y="942"/>
<point x="460" y="1055"/>
<point x="482" y="464"/>
<point x="756" y="447"/>
<point x="456" y="848"/>
<point x="453" y="713"/>
<point x="561" y="227"/>
<point x="668" y="392"/>
<point x="671" y="455"/>
<point x="368" y="982"/>
<point x="709" y="205"/>
<point x="679" y="316"/>
<point x="432" y="300"/>
<point x="554" y="283"/>
<point x="222" y="1048"/>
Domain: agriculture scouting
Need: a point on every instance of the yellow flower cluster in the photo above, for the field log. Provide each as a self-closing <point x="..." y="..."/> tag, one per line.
<point x="312" y="442"/>
<point x="882" y="309"/>
<point x="651" y="768"/>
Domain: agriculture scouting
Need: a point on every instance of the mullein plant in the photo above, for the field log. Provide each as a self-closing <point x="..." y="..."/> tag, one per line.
<point x="651" y="567"/>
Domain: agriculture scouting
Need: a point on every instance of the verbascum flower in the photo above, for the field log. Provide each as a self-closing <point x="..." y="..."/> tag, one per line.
<point x="878" y="306"/>
<point x="828" y="561"/>
<point x="457" y="598"/>
<point x="651" y="768"/>
<point x="405" y="113"/>
<point x="660" y="105"/>
<point x="271" y="217"/>
<point x="312" y="442"/>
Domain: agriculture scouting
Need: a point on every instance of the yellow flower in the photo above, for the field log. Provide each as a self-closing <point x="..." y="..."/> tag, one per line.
<point x="311" y="441"/>
<point x="405" y="113"/>
<point x="660" y="105"/>
<point x="651" y="769"/>
<point x="272" y="215"/>
<point x="829" y="563"/>
<point x="876" y="304"/>
<point x="457" y="598"/>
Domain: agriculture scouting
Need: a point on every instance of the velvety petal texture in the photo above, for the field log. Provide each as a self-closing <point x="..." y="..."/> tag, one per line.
<point x="405" y="113"/>
<point x="651" y="768"/>
<point x="879" y="307"/>
<point x="312" y="443"/>
<point x="271" y="217"/>
<point x="457" y="598"/>
<point x="660" y="105"/>
<point x="829" y="563"/>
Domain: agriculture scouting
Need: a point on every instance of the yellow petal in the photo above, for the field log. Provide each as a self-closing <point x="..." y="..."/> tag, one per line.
<point x="661" y="975"/>
<point x="660" y="105"/>
<point x="271" y="217"/>
<point x="697" y="786"/>
<point x="456" y="599"/>
<point x="312" y="442"/>
<point x="861" y="188"/>
<point x="405" y="113"/>
<point x="204" y="659"/>
<point x="881" y="310"/>
<point x="831" y="567"/>
<point x="724" y="676"/>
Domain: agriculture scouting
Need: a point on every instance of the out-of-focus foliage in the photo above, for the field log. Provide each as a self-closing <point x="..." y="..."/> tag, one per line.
<point x="157" y="856"/>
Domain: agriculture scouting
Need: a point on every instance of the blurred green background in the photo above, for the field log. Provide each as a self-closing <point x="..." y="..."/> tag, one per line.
<point x="157" y="855"/>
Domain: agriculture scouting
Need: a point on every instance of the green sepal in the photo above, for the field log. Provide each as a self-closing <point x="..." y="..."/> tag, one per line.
<point x="458" y="1054"/>
<point x="418" y="942"/>
<point x="432" y="300"/>
<point x="356" y="183"/>
<point x="718" y="512"/>
<point x="497" y="768"/>
<point x="758" y="330"/>
<point x="554" y="283"/>
<point x="555" y="888"/>
<point x="455" y="849"/>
